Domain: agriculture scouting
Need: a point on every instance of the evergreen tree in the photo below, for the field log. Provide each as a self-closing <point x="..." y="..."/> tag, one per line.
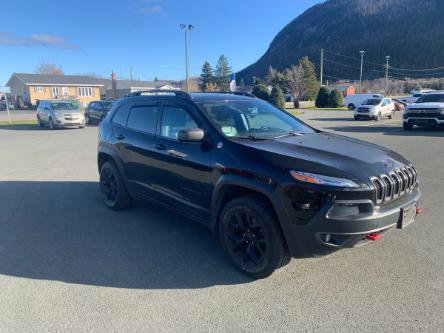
<point x="206" y="77"/>
<point x="222" y="73"/>
<point x="311" y="83"/>
<point x="261" y="91"/>
<point x="335" y="99"/>
<point x="322" y="99"/>
<point x="277" y="97"/>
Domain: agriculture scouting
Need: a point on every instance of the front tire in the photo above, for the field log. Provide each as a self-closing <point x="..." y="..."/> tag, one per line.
<point x="87" y="120"/>
<point x="351" y="107"/>
<point x="112" y="187"/>
<point x="250" y="233"/>
<point x="51" y="124"/>
<point x="40" y="123"/>
<point x="392" y="115"/>
<point x="378" y="117"/>
<point x="407" y="126"/>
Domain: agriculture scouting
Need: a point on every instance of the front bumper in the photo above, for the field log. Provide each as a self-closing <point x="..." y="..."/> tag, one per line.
<point x="424" y="121"/>
<point x="69" y="123"/>
<point x="323" y="235"/>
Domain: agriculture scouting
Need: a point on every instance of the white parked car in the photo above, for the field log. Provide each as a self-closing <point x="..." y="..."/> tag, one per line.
<point x="416" y="94"/>
<point x="353" y="101"/>
<point x="375" y="108"/>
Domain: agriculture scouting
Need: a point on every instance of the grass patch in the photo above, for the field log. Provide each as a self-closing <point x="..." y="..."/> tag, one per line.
<point x="293" y="111"/>
<point x="18" y="122"/>
<point x="325" y="109"/>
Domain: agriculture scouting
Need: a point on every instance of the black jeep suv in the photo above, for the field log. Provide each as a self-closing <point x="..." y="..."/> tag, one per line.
<point x="271" y="186"/>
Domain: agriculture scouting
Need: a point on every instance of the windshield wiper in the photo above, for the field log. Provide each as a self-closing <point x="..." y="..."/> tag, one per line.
<point x="289" y="134"/>
<point x="250" y="137"/>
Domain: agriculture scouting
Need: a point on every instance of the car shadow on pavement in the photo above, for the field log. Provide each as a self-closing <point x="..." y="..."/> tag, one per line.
<point x="62" y="231"/>
<point x="22" y="127"/>
<point x="388" y="130"/>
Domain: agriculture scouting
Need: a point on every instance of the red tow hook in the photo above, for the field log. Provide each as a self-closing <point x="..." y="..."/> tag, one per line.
<point x="373" y="237"/>
<point x="419" y="211"/>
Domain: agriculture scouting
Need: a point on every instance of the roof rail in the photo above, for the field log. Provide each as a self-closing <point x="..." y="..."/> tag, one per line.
<point x="237" y="93"/>
<point x="157" y="92"/>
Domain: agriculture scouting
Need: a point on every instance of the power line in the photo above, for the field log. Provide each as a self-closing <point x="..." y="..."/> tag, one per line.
<point x="391" y="67"/>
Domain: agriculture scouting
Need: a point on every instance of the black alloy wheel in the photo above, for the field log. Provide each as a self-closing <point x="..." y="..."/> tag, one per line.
<point x="250" y="233"/>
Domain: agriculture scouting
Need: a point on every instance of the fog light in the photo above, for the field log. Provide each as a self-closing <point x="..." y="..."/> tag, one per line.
<point x="343" y="210"/>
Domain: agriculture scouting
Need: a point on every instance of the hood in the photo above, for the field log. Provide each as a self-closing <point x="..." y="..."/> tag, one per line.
<point x="433" y="105"/>
<point x="68" y="111"/>
<point x="329" y="154"/>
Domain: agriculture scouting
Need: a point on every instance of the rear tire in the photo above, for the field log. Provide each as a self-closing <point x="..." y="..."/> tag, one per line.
<point x="112" y="187"/>
<point x="392" y="115"/>
<point x="356" y="118"/>
<point x="407" y="126"/>
<point x="250" y="233"/>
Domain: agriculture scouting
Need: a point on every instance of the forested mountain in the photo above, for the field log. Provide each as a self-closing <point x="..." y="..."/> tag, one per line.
<point x="411" y="32"/>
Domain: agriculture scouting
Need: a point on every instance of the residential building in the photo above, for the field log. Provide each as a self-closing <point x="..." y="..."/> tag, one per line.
<point x="124" y="87"/>
<point x="34" y="87"/>
<point x="345" y="89"/>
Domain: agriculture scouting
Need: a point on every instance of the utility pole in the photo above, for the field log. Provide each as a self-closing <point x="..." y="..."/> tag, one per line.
<point x="131" y="73"/>
<point x="7" y="105"/>
<point x="186" y="28"/>
<point x="386" y="73"/>
<point x="362" y="67"/>
<point x="322" y="66"/>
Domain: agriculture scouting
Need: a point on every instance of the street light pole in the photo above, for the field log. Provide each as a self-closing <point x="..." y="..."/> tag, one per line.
<point x="362" y="67"/>
<point x="186" y="28"/>
<point x="386" y="74"/>
<point x="322" y="67"/>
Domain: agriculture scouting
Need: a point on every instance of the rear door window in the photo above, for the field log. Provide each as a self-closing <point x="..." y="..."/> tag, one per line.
<point x="143" y="118"/>
<point x="121" y="115"/>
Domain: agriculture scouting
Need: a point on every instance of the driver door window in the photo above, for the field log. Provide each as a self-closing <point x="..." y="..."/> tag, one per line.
<point x="174" y="119"/>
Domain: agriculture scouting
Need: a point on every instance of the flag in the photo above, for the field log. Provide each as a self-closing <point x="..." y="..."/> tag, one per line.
<point x="232" y="82"/>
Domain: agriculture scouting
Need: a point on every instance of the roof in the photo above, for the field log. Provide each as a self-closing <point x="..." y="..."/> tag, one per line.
<point x="47" y="79"/>
<point x="342" y="87"/>
<point x="128" y="84"/>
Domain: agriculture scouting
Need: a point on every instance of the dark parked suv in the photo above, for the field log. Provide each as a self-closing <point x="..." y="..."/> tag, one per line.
<point x="97" y="111"/>
<point x="269" y="185"/>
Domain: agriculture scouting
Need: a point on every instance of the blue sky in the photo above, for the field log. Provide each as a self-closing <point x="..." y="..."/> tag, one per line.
<point x="87" y="36"/>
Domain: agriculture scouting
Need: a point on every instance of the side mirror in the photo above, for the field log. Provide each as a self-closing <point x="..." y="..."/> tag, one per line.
<point x="191" y="135"/>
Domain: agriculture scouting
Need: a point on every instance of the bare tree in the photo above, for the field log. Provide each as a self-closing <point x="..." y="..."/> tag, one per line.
<point x="48" y="68"/>
<point x="296" y="82"/>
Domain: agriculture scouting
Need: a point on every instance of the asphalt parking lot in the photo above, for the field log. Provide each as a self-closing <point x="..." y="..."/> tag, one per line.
<point x="67" y="263"/>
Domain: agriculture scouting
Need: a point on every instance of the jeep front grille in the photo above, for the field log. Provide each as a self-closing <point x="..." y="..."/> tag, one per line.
<point x="395" y="184"/>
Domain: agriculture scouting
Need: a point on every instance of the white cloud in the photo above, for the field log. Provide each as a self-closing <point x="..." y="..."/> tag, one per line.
<point x="36" y="40"/>
<point x="149" y="7"/>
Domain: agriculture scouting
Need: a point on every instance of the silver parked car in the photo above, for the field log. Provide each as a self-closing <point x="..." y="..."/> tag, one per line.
<point x="60" y="113"/>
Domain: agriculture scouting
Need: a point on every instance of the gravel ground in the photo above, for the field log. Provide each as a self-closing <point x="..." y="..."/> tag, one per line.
<point x="69" y="264"/>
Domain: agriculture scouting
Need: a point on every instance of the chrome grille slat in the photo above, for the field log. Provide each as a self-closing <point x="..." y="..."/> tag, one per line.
<point x="394" y="185"/>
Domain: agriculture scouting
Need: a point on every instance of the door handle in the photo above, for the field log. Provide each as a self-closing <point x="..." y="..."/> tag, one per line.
<point x="120" y="136"/>
<point x="159" y="146"/>
<point x="176" y="153"/>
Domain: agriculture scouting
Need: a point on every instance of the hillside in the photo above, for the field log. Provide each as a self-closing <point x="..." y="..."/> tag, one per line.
<point x="411" y="32"/>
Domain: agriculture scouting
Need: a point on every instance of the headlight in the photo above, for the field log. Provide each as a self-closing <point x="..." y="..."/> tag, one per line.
<point x="58" y="115"/>
<point x="312" y="178"/>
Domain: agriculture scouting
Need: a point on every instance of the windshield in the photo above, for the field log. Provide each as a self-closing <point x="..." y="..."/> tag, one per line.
<point x="372" y="101"/>
<point x="72" y="105"/>
<point x="107" y="106"/>
<point x="431" y="98"/>
<point x="253" y="119"/>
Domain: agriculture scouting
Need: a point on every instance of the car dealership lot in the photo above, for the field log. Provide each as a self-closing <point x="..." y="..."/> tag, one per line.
<point x="68" y="263"/>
